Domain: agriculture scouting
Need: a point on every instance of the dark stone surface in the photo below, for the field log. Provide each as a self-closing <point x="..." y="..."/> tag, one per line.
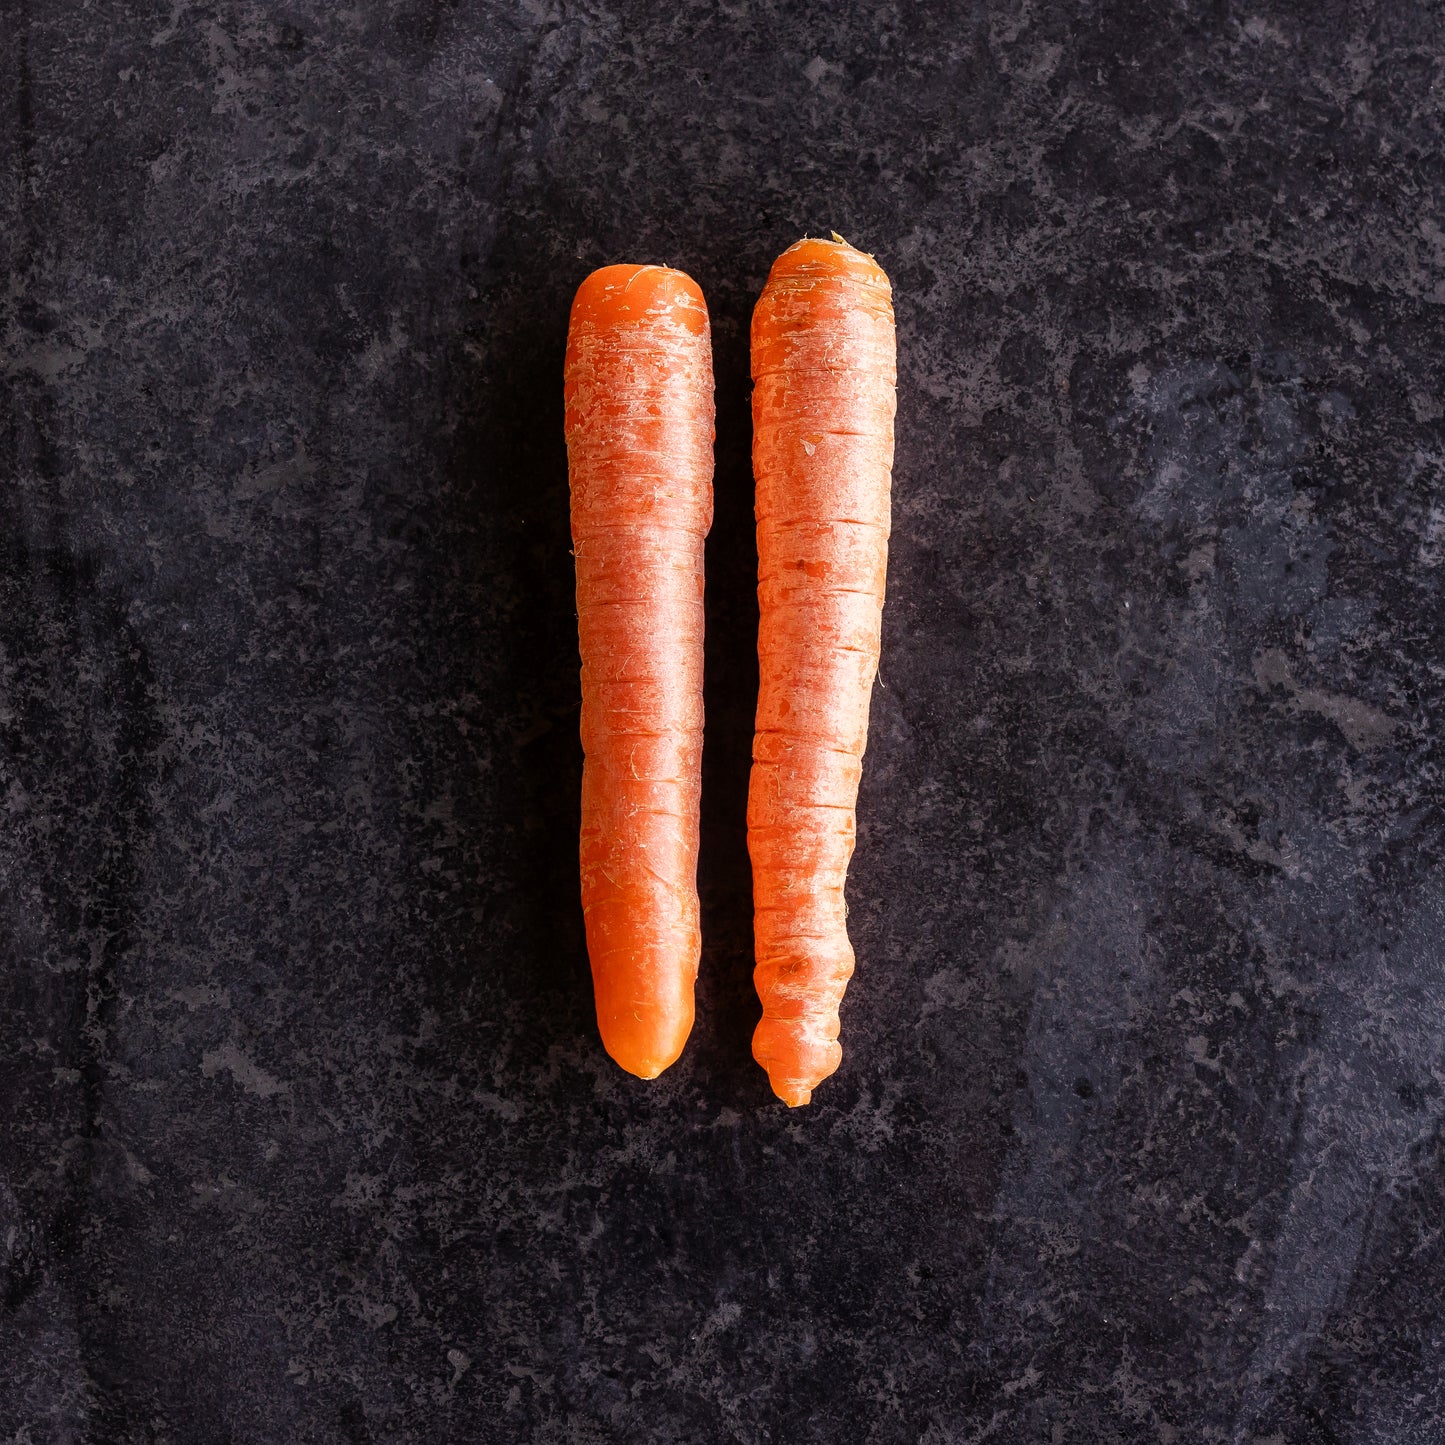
<point x="306" y="1131"/>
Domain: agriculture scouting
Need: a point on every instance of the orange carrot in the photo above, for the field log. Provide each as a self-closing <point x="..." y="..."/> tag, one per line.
<point x="638" y="396"/>
<point x="824" y="369"/>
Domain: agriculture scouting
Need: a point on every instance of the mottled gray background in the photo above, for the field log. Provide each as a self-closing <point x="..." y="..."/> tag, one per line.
<point x="306" y="1131"/>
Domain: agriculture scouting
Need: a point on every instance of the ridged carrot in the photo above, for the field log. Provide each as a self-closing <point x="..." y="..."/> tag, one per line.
<point x="638" y="401"/>
<point x="824" y="373"/>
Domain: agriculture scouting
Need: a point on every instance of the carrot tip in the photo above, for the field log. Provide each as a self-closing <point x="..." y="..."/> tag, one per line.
<point x="642" y="1068"/>
<point x="633" y="295"/>
<point x="815" y="257"/>
<point x="646" y="1050"/>
<point x="647" y="1067"/>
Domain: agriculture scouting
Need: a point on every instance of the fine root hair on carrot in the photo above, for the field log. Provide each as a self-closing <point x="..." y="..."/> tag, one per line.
<point x="824" y="381"/>
<point x="638" y="404"/>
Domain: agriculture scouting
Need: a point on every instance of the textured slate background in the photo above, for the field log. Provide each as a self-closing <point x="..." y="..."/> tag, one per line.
<point x="306" y="1130"/>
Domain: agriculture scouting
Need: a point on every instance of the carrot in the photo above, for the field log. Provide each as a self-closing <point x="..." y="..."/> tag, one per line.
<point x="638" y="400"/>
<point x="824" y="369"/>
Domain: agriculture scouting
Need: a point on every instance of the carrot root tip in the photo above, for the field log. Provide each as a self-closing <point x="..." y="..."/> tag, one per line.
<point x="642" y="1068"/>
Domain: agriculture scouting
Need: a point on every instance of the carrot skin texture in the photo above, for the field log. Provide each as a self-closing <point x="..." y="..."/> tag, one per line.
<point x="638" y="403"/>
<point x="824" y="363"/>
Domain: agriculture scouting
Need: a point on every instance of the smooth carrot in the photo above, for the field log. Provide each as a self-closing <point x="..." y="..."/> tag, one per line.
<point x="824" y="372"/>
<point x="638" y="396"/>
